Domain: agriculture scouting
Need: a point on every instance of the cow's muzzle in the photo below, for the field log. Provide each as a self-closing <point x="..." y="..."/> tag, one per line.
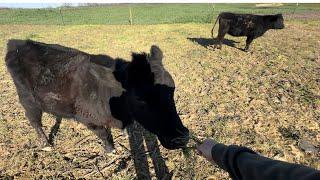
<point x="177" y="142"/>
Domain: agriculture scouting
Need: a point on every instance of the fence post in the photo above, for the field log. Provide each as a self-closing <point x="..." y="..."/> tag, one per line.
<point x="130" y="16"/>
<point x="212" y="19"/>
<point x="294" y="11"/>
<point x="61" y="16"/>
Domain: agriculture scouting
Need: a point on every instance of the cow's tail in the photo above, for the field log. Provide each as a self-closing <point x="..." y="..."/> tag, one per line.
<point x="218" y="18"/>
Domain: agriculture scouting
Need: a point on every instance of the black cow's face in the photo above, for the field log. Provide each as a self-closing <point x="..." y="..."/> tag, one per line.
<point x="151" y="90"/>
<point x="278" y="22"/>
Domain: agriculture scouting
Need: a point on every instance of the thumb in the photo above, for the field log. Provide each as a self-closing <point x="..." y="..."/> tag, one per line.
<point x="199" y="150"/>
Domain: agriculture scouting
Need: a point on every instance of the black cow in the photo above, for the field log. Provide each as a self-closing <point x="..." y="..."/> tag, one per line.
<point x="96" y="90"/>
<point x="252" y="26"/>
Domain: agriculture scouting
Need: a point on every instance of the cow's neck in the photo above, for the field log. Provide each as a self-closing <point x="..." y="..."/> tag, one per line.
<point x="267" y="26"/>
<point x="266" y="23"/>
<point x="121" y="106"/>
<point x="120" y="72"/>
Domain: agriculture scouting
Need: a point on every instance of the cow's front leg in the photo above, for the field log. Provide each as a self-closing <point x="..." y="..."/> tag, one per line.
<point x="248" y="42"/>
<point x="34" y="115"/>
<point x="104" y="134"/>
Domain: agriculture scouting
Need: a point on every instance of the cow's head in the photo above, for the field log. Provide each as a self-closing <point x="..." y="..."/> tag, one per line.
<point x="151" y="91"/>
<point x="277" y="21"/>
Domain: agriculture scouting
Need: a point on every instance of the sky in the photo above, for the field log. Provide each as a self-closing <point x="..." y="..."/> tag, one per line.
<point x="51" y="3"/>
<point x="32" y="5"/>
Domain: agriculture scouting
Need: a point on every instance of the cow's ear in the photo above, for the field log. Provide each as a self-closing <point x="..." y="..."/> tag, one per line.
<point x="155" y="53"/>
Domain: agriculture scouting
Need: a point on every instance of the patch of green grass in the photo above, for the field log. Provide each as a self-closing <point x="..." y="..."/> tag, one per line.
<point x="141" y="13"/>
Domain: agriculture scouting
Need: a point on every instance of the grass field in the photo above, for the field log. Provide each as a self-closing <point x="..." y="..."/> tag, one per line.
<point x="141" y="13"/>
<point x="268" y="100"/>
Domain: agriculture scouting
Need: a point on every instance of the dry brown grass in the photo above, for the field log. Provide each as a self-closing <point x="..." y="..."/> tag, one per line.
<point x="267" y="100"/>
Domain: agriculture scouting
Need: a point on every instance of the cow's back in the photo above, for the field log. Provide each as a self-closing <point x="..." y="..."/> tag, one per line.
<point x="44" y="75"/>
<point x="61" y="81"/>
<point x="239" y="24"/>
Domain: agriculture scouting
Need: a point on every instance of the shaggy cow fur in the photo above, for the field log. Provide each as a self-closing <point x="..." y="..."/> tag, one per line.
<point x="96" y="90"/>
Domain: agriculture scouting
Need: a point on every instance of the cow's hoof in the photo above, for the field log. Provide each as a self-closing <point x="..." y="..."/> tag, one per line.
<point x="45" y="146"/>
<point x="109" y="149"/>
<point x="110" y="152"/>
<point x="125" y="133"/>
<point x="47" y="149"/>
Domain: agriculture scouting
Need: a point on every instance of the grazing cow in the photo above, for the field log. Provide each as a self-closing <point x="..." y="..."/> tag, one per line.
<point x="252" y="26"/>
<point x="96" y="90"/>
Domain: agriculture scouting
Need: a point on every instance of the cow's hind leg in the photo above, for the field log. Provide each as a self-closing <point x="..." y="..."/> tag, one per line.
<point x="223" y="29"/>
<point x="34" y="115"/>
<point x="104" y="134"/>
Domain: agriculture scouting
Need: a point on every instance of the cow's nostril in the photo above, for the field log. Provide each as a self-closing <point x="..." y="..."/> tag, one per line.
<point x="180" y="141"/>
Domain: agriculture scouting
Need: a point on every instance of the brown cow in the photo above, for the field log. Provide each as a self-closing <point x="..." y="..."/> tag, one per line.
<point x="96" y="90"/>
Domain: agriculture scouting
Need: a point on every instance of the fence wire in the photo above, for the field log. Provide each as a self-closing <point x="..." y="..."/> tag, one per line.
<point x="140" y="13"/>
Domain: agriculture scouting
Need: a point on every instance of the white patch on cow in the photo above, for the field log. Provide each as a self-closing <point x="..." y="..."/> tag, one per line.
<point x="161" y="75"/>
<point x="54" y="96"/>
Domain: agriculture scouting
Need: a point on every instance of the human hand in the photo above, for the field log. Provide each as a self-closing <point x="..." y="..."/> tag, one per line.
<point x="204" y="149"/>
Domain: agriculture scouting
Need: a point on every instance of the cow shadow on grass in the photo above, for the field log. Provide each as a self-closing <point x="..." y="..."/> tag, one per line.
<point x="137" y="136"/>
<point x="208" y="43"/>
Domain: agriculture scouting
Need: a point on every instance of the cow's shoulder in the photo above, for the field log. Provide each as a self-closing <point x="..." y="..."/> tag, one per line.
<point x="97" y="86"/>
<point x="103" y="60"/>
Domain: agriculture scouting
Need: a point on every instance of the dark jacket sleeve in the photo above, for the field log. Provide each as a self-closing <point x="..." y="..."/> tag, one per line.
<point x="243" y="163"/>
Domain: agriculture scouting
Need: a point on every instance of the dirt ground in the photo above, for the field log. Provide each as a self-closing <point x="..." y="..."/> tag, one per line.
<point x="307" y="16"/>
<point x="267" y="99"/>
